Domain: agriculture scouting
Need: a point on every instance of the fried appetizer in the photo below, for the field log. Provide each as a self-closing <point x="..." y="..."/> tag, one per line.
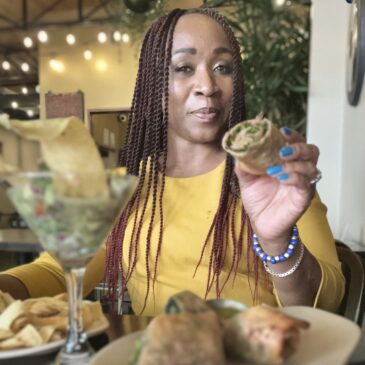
<point x="186" y="301"/>
<point x="255" y="144"/>
<point x="262" y="335"/>
<point x="181" y="339"/>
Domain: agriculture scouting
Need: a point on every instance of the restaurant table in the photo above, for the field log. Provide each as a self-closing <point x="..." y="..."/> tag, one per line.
<point x="21" y="241"/>
<point x="121" y="325"/>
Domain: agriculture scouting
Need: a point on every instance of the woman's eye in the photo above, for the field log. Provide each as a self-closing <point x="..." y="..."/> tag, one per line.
<point x="223" y="69"/>
<point x="183" y="69"/>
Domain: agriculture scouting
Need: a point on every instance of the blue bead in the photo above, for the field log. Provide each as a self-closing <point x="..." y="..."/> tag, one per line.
<point x="289" y="251"/>
<point x="282" y="258"/>
<point x="273" y="261"/>
<point x="295" y="233"/>
<point x="264" y="257"/>
<point x="293" y="241"/>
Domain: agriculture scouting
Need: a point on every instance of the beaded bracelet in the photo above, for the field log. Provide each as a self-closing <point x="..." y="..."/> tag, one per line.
<point x="279" y="258"/>
<point x="291" y="270"/>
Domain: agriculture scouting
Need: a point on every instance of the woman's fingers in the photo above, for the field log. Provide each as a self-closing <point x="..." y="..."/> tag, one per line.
<point x="300" y="152"/>
<point x="291" y="135"/>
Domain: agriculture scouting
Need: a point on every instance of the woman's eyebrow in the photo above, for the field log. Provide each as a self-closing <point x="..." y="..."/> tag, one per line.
<point x="193" y="51"/>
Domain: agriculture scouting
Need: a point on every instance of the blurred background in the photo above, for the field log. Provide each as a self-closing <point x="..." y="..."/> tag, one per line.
<point x="80" y="56"/>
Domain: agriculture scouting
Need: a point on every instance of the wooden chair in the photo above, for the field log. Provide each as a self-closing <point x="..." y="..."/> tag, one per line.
<point x="353" y="303"/>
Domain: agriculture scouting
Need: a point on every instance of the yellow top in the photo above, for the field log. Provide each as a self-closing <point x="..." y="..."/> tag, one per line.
<point x="189" y="206"/>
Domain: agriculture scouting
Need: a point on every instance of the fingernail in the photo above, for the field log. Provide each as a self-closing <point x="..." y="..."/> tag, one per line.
<point x="273" y="170"/>
<point x="286" y="131"/>
<point x="286" y="151"/>
<point x="282" y="177"/>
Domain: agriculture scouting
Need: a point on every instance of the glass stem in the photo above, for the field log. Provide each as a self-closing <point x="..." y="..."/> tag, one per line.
<point x="76" y="336"/>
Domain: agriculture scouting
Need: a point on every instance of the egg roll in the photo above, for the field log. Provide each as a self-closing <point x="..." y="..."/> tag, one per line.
<point x="262" y="335"/>
<point x="186" y="301"/>
<point x="182" y="339"/>
<point x="255" y="143"/>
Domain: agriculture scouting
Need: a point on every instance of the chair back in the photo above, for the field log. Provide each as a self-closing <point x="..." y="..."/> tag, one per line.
<point x="353" y="302"/>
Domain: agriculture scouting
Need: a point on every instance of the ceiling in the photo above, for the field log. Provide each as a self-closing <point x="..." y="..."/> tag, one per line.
<point x="25" y="18"/>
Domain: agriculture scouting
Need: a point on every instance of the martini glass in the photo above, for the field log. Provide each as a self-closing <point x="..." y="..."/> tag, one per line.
<point x="71" y="227"/>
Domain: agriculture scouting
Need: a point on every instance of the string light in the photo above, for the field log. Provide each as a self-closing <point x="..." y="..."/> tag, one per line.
<point x="70" y="39"/>
<point x="56" y="65"/>
<point x="24" y="90"/>
<point x="37" y="89"/>
<point x="42" y="36"/>
<point x="125" y="38"/>
<point x="30" y="113"/>
<point x="102" y="37"/>
<point x="25" y="67"/>
<point x="117" y="36"/>
<point x="88" y="55"/>
<point x="28" y="42"/>
<point x="5" y="65"/>
<point x="14" y="105"/>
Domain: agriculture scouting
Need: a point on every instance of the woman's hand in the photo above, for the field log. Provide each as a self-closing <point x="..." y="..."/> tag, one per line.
<point x="275" y="202"/>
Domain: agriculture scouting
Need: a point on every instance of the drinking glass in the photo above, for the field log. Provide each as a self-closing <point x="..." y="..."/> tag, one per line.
<point x="72" y="229"/>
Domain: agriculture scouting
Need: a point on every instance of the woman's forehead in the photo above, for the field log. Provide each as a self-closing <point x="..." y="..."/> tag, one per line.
<point x="198" y="29"/>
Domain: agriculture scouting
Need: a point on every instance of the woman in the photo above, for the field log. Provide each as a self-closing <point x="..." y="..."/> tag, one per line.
<point x="186" y="227"/>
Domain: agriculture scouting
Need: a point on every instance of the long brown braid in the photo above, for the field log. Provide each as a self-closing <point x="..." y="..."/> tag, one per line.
<point x="145" y="155"/>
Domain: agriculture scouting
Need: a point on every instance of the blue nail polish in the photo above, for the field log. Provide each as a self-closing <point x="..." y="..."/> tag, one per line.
<point x="273" y="170"/>
<point x="286" y="151"/>
<point x="287" y="131"/>
<point x="282" y="177"/>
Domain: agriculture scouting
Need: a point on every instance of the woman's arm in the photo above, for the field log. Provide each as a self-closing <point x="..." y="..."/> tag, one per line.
<point x="275" y="203"/>
<point x="13" y="286"/>
<point x="45" y="277"/>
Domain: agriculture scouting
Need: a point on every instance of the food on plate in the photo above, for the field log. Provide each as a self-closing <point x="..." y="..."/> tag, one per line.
<point x="185" y="301"/>
<point x="5" y="300"/>
<point x="34" y="322"/>
<point x="255" y="144"/>
<point x="193" y="331"/>
<point x="262" y="335"/>
<point x="181" y="339"/>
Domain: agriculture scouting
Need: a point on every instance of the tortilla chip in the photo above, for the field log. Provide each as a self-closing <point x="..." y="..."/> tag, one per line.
<point x="69" y="152"/>
<point x="5" y="298"/>
<point x="27" y="337"/>
<point x="10" y="314"/>
<point x="4" y="334"/>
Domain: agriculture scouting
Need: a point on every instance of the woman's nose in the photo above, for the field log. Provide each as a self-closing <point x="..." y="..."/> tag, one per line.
<point x="205" y="83"/>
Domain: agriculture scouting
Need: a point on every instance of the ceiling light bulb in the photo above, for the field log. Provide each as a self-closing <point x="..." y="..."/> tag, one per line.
<point x="88" y="55"/>
<point x="5" y="65"/>
<point x="14" y="104"/>
<point x="30" y="113"/>
<point x="117" y="36"/>
<point x="56" y="65"/>
<point x="28" y="42"/>
<point x="70" y="39"/>
<point x="279" y="3"/>
<point x="125" y="38"/>
<point x="102" y="37"/>
<point x="24" y="90"/>
<point x="42" y="36"/>
<point x="25" y="67"/>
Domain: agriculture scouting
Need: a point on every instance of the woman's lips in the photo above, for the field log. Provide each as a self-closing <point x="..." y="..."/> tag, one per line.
<point x="206" y="114"/>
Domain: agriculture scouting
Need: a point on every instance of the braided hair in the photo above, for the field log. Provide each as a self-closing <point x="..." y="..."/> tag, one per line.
<point x="145" y="155"/>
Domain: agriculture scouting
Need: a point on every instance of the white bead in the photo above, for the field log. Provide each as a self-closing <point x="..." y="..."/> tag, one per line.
<point x="286" y="255"/>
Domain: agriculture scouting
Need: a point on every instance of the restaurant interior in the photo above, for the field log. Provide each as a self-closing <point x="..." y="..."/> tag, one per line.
<point x="80" y="57"/>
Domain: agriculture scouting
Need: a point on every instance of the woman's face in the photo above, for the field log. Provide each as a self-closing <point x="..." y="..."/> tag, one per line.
<point x="200" y="85"/>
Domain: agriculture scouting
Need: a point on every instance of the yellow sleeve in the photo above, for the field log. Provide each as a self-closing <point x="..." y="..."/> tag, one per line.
<point x="44" y="276"/>
<point x="317" y="237"/>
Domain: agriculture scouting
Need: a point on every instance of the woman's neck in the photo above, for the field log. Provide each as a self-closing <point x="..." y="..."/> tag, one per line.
<point x="187" y="160"/>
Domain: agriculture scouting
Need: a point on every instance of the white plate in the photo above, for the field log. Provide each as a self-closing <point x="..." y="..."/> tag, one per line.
<point x="329" y="340"/>
<point x="97" y="327"/>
